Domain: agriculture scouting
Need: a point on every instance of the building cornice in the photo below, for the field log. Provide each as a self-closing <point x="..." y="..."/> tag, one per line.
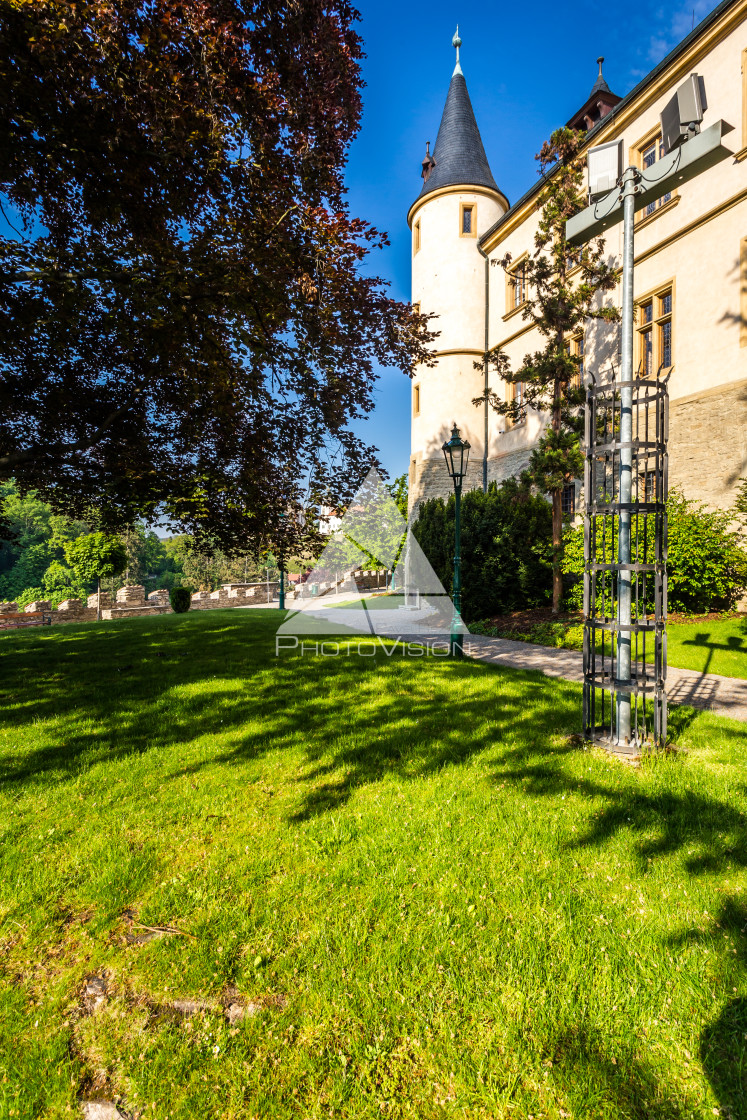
<point x="459" y="188"/>
<point x="696" y="223"/>
<point x="678" y="64"/>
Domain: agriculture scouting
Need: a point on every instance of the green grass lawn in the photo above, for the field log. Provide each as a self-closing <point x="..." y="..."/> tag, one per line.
<point x="705" y="645"/>
<point x="438" y="903"/>
<point x="719" y="646"/>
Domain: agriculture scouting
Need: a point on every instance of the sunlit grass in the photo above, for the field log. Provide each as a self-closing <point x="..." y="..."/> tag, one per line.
<point x="440" y="903"/>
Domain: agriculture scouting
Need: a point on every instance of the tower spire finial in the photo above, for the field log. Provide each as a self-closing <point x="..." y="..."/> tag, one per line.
<point x="600" y="60"/>
<point x="457" y="42"/>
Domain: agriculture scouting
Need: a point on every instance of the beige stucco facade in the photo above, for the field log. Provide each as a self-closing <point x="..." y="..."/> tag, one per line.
<point x="696" y="242"/>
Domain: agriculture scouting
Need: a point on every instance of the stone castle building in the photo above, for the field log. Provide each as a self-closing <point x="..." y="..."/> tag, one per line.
<point x="690" y="279"/>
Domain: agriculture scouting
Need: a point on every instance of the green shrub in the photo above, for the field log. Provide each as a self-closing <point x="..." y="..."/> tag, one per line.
<point x="547" y="634"/>
<point x="180" y="599"/>
<point x="574" y="638"/>
<point x="29" y="595"/>
<point x="706" y="562"/>
<point x="54" y="598"/>
<point x="484" y="627"/>
<point x="506" y="548"/>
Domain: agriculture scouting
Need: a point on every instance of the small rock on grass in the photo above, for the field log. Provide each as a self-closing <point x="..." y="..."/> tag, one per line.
<point x="235" y="1012"/>
<point x="94" y="994"/>
<point x="102" y="1110"/>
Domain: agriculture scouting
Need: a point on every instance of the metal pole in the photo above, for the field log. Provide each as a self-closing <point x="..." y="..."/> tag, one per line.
<point x="456" y="638"/>
<point x="625" y="488"/>
<point x="281" y="592"/>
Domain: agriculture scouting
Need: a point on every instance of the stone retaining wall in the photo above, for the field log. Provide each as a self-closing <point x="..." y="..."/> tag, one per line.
<point x="131" y="602"/>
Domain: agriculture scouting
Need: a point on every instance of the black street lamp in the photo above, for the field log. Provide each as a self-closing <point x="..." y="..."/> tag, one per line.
<point x="456" y="454"/>
<point x="281" y="565"/>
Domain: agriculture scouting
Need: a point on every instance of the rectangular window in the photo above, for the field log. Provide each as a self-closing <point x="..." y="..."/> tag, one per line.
<point x="654" y="327"/>
<point x="416" y="236"/>
<point x="416" y="400"/>
<point x="517" y="285"/>
<point x="646" y="155"/>
<point x="576" y="350"/>
<point x="467" y="220"/>
<point x="744" y="99"/>
<point x="649" y="486"/>
<point x="568" y="499"/>
<point x="516" y="395"/>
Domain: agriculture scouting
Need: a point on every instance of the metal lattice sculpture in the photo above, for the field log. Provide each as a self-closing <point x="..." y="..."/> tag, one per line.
<point x="643" y="580"/>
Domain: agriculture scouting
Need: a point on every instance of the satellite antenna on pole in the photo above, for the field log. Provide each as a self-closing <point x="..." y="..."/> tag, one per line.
<point x="681" y="117"/>
<point x="616" y="193"/>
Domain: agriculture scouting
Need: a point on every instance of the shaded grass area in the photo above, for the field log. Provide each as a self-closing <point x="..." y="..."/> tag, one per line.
<point x="440" y="903"/>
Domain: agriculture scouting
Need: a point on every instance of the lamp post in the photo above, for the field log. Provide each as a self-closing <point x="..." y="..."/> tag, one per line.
<point x="456" y="454"/>
<point x="281" y="589"/>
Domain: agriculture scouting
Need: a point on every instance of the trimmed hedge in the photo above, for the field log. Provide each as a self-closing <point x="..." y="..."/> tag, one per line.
<point x="506" y="548"/>
<point x="180" y="599"/>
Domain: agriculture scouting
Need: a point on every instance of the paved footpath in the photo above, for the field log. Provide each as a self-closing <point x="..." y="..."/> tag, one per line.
<point x="724" y="696"/>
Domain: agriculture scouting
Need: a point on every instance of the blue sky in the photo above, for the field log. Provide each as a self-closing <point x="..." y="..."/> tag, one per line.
<point x="527" y="68"/>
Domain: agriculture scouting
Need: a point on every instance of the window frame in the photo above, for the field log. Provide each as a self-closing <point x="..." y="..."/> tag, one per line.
<point x="661" y="205"/>
<point x="416" y="399"/>
<point x="472" y="208"/>
<point x="512" y="273"/>
<point x="513" y="388"/>
<point x="576" y="346"/>
<point x="416" y="237"/>
<point x="568" y="490"/>
<point x="653" y="326"/>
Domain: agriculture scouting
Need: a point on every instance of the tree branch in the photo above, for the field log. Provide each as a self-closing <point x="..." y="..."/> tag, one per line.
<point x="69" y="450"/>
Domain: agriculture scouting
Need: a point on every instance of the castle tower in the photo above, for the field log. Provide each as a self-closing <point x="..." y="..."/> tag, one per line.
<point x="459" y="201"/>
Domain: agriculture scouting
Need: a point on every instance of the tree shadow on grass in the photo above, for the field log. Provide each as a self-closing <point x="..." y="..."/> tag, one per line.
<point x="666" y="821"/>
<point x="109" y="693"/>
<point x="723" y="1043"/>
<point x="628" y="1086"/>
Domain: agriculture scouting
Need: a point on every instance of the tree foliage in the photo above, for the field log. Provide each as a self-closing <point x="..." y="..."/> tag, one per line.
<point x="506" y="547"/>
<point x="564" y="284"/>
<point x="186" y="323"/>
<point x="96" y="556"/>
<point x="399" y="491"/>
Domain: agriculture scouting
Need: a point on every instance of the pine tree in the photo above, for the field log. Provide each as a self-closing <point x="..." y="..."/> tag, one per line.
<point x="563" y="283"/>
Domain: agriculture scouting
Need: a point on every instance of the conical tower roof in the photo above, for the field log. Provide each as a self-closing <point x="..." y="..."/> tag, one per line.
<point x="459" y="155"/>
